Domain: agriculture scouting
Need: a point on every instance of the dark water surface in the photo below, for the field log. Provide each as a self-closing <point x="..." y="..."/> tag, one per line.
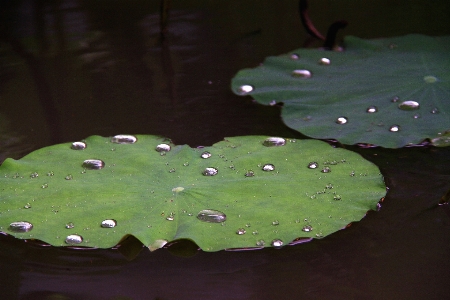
<point x="71" y="69"/>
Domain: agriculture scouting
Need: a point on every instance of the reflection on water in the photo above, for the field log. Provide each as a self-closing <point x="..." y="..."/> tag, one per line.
<point x="71" y="69"/>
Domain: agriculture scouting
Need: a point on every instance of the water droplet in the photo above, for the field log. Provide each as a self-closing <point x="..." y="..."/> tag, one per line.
<point x="34" y="175"/>
<point x="50" y="173"/>
<point x="211" y="216"/>
<point x="21" y="226"/>
<point x="249" y="173"/>
<point x="255" y="232"/>
<point x="307" y="228"/>
<point x="395" y="99"/>
<point x="294" y="56"/>
<point x="341" y="120"/>
<point x="178" y="189"/>
<point x="70" y="225"/>
<point x="394" y="128"/>
<point x="78" y="146"/>
<point x="241" y="231"/>
<point x="276" y="223"/>
<point x="163" y="148"/>
<point x="313" y="165"/>
<point x="205" y="154"/>
<point x="352" y="173"/>
<point x="277" y="243"/>
<point x="260" y="243"/>
<point x="45" y="185"/>
<point x="172" y="170"/>
<point x="372" y="109"/>
<point x="268" y="167"/>
<point x="324" y="61"/>
<point x="329" y="186"/>
<point x="409" y="105"/>
<point x="108" y="223"/>
<point x="210" y="172"/>
<point x="245" y="89"/>
<point x="186" y="164"/>
<point x="28" y="205"/>
<point x="74" y="239"/>
<point x="273" y="103"/>
<point x="68" y="177"/>
<point x="430" y="79"/>
<point x="274" y="141"/>
<point x="416" y="116"/>
<point x="123" y="139"/>
<point x="337" y="197"/>
<point x="93" y="164"/>
<point x="301" y="73"/>
<point x="435" y="110"/>
<point x="326" y="170"/>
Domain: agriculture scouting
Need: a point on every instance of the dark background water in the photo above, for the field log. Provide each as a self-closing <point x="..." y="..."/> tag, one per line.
<point x="71" y="69"/>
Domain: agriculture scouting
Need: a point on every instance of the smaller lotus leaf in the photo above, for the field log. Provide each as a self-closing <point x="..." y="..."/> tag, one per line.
<point x="389" y="92"/>
<point x="241" y="192"/>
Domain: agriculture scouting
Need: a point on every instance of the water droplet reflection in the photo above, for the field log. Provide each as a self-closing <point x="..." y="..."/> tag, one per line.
<point x="409" y="105"/>
<point x="78" y="146"/>
<point x="301" y="73"/>
<point x="394" y="128"/>
<point x="245" y="89"/>
<point x="372" y="109"/>
<point x="324" y="61"/>
<point x="210" y="172"/>
<point x="241" y="231"/>
<point x="313" y="165"/>
<point x="108" y="223"/>
<point x="74" y="239"/>
<point x="123" y="139"/>
<point x="341" y="120"/>
<point x="307" y="228"/>
<point x="205" y="154"/>
<point x="21" y="226"/>
<point x="93" y="164"/>
<point x="70" y="225"/>
<point x="211" y="216"/>
<point x="163" y="148"/>
<point x="277" y="243"/>
<point x="268" y="167"/>
<point x="274" y="141"/>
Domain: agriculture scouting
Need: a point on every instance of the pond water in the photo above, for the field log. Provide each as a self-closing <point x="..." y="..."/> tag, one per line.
<point x="71" y="69"/>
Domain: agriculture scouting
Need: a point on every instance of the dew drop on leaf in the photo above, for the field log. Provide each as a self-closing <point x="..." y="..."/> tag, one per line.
<point x="372" y="109"/>
<point x="277" y="243"/>
<point x="211" y="216"/>
<point x="108" y="223"/>
<point x="70" y="225"/>
<point x="241" y="231"/>
<point x="93" y="164"/>
<point x="78" y="146"/>
<point x="341" y="120"/>
<point x="123" y="139"/>
<point x="325" y="61"/>
<point x="74" y="239"/>
<point x="205" y="154"/>
<point x="21" y="226"/>
<point x="313" y="165"/>
<point x="245" y="89"/>
<point x="409" y="105"/>
<point x="394" y="128"/>
<point x="274" y="141"/>
<point x="210" y="171"/>
<point x="268" y="167"/>
<point x="301" y="73"/>
<point x="307" y="228"/>
<point x="163" y="148"/>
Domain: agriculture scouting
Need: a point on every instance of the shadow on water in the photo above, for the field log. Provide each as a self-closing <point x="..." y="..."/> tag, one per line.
<point x="71" y="69"/>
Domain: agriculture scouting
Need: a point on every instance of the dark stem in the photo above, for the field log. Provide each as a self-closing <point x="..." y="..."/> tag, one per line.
<point x="330" y="41"/>
<point x="306" y="21"/>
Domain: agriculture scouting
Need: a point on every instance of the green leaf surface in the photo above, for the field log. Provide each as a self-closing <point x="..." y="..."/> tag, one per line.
<point x="157" y="196"/>
<point x="365" y="84"/>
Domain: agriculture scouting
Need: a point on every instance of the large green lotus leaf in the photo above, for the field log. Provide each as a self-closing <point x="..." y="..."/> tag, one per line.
<point x="157" y="196"/>
<point x="355" y="96"/>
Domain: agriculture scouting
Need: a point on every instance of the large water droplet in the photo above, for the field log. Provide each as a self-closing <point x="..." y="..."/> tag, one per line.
<point x="108" y="223"/>
<point x="409" y="105"/>
<point x="123" y="139"/>
<point x="78" y="146"/>
<point x="210" y="172"/>
<point x="241" y="231"/>
<point x="268" y="167"/>
<point x="372" y="109"/>
<point x="301" y="73"/>
<point x="93" y="164"/>
<point x="163" y="148"/>
<point x="430" y="79"/>
<point x="325" y="61"/>
<point x="274" y="141"/>
<point x="245" y="89"/>
<point x="205" y="154"/>
<point x="394" y="128"/>
<point x="277" y="243"/>
<point x="21" y="226"/>
<point x="341" y="120"/>
<point x="74" y="239"/>
<point x="211" y="216"/>
<point x="313" y="165"/>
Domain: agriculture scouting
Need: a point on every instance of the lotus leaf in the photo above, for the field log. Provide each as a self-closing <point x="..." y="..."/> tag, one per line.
<point x="389" y="92"/>
<point x="241" y="192"/>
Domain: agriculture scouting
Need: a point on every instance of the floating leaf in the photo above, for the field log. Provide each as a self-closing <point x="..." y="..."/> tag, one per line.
<point x="247" y="192"/>
<point x="389" y="92"/>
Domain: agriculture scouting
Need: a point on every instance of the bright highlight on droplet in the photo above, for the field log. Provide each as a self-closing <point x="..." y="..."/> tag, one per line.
<point x="430" y="79"/>
<point x="245" y="89"/>
<point x="210" y="172"/>
<point x="324" y="61"/>
<point x="211" y="216"/>
<point x="294" y="56"/>
<point x="274" y="141"/>
<point x="372" y="109"/>
<point x="123" y="139"/>
<point x="409" y="105"/>
<point x="21" y="226"/>
<point x="301" y="73"/>
<point x="93" y="164"/>
<point x="74" y="239"/>
<point x="108" y="223"/>
<point x="341" y="120"/>
<point x="163" y="148"/>
<point x="78" y="146"/>
<point x="394" y="128"/>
